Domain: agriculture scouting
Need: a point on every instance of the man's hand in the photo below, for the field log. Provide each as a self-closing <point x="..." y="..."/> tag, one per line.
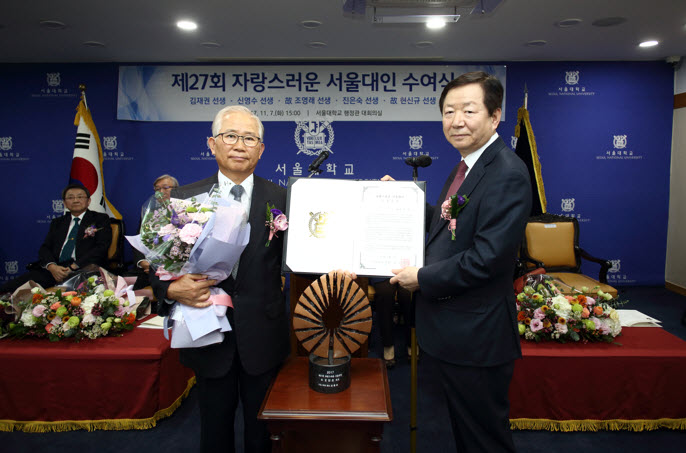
<point x="192" y="290"/>
<point x="59" y="273"/>
<point x="406" y="277"/>
<point x="387" y="178"/>
<point x="347" y="273"/>
<point x="145" y="265"/>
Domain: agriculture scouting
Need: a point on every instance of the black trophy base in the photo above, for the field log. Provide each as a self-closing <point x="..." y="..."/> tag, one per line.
<point x="329" y="378"/>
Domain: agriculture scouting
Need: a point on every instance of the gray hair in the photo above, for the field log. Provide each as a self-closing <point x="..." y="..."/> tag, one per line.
<point x="217" y="123"/>
<point x="175" y="182"/>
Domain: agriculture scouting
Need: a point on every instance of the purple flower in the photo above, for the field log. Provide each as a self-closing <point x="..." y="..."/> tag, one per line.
<point x="460" y="200"/>
<point x="38" y="311"/>
<point x="276" y="212"/>
<point x="536" y="325"/>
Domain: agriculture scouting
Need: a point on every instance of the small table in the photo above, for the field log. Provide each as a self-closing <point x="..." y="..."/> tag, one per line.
<point x="300" y="419"/>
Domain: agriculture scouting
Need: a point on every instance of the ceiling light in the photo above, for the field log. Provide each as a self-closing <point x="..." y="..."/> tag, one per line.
<point x="317" y="44"/>
<point x="96" y="44"/>
<point x="52" y="24"/>
<point x="608" y="21"/>
<point x="566" y="23"/>
<point x="434" y="23"/>
<point x="651" y="43"/>
<point x="414" y="18"/>
<point x="537" y="43"/>
<point x="311" y="24"/>
<point x="187" y="25"/>
<point x="210" y="44"/>
<point x="423" y="44"/>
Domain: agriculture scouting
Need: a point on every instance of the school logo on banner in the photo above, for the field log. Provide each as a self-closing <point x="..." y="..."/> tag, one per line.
<point x="567" y="204"/>
<point x="513" y="142"/>
<point x="53" y="88"/>
<point x="6" y="151"/>
<point x="109" y="143"/>
<point x="56" y="211"/>
<point x="11" y="267"/>
<point x="5" y="143"/>
<point x="615" y="276"/>
<point x="620" y="150"/>
<point x="53" y="79"/>
<point x="110" y="151"/>
<point x="572" y="77"/>
<point x="572" y="86"/>
<point x="616" y="266"/>
<point x="313" y="137"/>
<point x="415" y="142"/>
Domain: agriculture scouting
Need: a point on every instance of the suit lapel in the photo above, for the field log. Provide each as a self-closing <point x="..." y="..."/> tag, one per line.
<point x="256" y="218"/>
<point x="470" y="183"/>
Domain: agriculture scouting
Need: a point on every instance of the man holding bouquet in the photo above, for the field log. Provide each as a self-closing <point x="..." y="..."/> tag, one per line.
<point x="465" y="304"/>
<point x="243" y="365"/>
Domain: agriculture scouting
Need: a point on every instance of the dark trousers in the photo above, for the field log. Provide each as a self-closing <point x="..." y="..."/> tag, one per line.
<point x="218" y="399"/>
<point x="41" y="276"/>
<point x="384" y="300"/>
<point x="479" y="406"/>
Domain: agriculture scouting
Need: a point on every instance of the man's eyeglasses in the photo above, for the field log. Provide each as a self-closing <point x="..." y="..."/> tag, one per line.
<point x="230" y="138"/>
<point x="75" y="197"/>
<point x="160" y="188"/>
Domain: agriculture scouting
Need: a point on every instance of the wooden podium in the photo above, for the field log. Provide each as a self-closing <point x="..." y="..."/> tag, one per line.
<point x="302" y="420"/>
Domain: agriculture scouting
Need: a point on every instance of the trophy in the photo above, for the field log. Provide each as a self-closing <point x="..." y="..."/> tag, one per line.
<point x="332" y="320"/>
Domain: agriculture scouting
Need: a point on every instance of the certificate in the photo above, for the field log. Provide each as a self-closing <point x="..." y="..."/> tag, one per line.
<point x="367" y="227"/>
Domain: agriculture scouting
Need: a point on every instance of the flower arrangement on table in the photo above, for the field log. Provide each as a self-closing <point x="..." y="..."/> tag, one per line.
<point x="450" y="208"/>
<point x="544" y="313"/>
<point x="91" y="311"/>
<point x="205" y="234"/>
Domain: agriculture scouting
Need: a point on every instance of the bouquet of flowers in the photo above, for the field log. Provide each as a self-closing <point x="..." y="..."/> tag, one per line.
<point x="450" y="208"/>
<point x="543" y="313"/>
<point x="206" y="235"/>
<point x="91" y="311"/>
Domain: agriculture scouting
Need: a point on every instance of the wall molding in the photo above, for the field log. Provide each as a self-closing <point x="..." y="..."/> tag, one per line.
<point x="679" y="101"/>
<point x="675" y="288"/>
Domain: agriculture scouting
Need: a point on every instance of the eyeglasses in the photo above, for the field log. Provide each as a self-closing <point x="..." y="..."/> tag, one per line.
<point x="159" y="188"/>
<point x="75" y="197"/>
<point x="230" y="138"/>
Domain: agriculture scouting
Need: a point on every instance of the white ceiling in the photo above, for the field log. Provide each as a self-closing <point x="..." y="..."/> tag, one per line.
<point x="264" y="30"/>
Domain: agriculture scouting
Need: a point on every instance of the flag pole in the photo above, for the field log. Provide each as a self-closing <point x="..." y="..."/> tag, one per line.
<point x="526" y="98"/>
<point x="82" y="87"/>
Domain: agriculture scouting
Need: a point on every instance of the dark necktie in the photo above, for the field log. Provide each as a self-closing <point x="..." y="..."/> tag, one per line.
<point x="459" y="178"/>
<point x="68" y="248"/>
<point x="237" y="192"/>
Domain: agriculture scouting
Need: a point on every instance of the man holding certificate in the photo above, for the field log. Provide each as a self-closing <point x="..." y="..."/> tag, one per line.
<point x="465" y="305"/>
<point x="250" y="355"/>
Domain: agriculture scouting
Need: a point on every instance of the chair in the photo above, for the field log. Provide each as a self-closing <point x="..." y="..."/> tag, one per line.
<point x="115" y="254"/>
<point x="552" y="242"/>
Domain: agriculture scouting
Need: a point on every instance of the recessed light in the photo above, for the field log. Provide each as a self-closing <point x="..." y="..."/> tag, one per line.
<point x="311" y="24"/>
<point x="210" y="44"/>
<point x="537" y="43"/>
<point x="187" y="25"/>
<point x="651" y="43"/>
<point x="52" y="24"/>
<point x="566" y="23"/>
<point x="608" y="21"/>
<point x="423" y="44"/>
<point x="317" y="44"/>
<point x="96" y="44"/>
<point x="435" y="23"/>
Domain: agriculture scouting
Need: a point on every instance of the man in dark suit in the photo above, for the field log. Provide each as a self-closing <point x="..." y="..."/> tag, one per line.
<point x="64" y="252"/>
<point x="465" y="304"/>
<point x="244" y="364"/>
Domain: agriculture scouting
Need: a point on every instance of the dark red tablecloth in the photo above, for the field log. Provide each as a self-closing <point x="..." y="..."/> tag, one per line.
<point x="638" y="385"/>
<point x="122" y="382"/>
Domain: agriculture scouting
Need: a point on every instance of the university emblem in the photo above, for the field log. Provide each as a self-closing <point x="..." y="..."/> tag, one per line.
<point x="616" y="265"/>
<point x="5" y="143"/>
<point x="11" y="267"/>
<point x="318" y="223"/>
<point x="416" y="142"/>
<point x="313" y="137"/>
<point x="109" y="143"/>
<point x="572" y="77"/>
<point x="620" y="141"/>
<point x="513" y="142"/>
<point x="567" y="204"/>
<point x="53" y="79"/>
<point x="57" y="206"/>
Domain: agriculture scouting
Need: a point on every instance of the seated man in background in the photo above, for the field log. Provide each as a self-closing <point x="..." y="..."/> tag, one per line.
<point x="164" y="185"/>
<point x="76" y="239"/>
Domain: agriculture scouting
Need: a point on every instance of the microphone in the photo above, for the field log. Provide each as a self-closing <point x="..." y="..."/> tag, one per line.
<point x="418" y="161"/>
<point x="314" y="166"/>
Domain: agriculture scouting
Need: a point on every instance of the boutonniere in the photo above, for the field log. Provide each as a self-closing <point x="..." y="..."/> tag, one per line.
<point x="90" y="231"/>
<point x="450" y="208"/>
<point x="276" y="221"/>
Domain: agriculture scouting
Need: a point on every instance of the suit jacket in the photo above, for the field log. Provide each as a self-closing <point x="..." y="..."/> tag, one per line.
<point x="259" y="318"/>
<point x="465" y="312"/>
<point x="88" y="249"/>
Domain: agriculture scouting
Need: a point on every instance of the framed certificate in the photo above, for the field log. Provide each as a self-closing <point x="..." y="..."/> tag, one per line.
<point x="367" y="227"/>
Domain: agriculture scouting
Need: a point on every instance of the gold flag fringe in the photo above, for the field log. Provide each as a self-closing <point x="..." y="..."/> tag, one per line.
<point x="540" y="424"/>
<point x="523" y="114"/>
<point x="92" y="425"/>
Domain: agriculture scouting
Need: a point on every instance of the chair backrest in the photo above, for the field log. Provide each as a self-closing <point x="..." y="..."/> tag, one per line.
<point x="115" y="254"/>
<point x="553" y="240"/>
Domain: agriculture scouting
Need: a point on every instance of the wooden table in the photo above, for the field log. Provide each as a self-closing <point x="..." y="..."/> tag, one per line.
<point x="300" y="419"/>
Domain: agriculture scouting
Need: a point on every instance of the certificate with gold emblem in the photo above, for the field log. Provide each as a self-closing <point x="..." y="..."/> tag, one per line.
<point x="367" y="227"/>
